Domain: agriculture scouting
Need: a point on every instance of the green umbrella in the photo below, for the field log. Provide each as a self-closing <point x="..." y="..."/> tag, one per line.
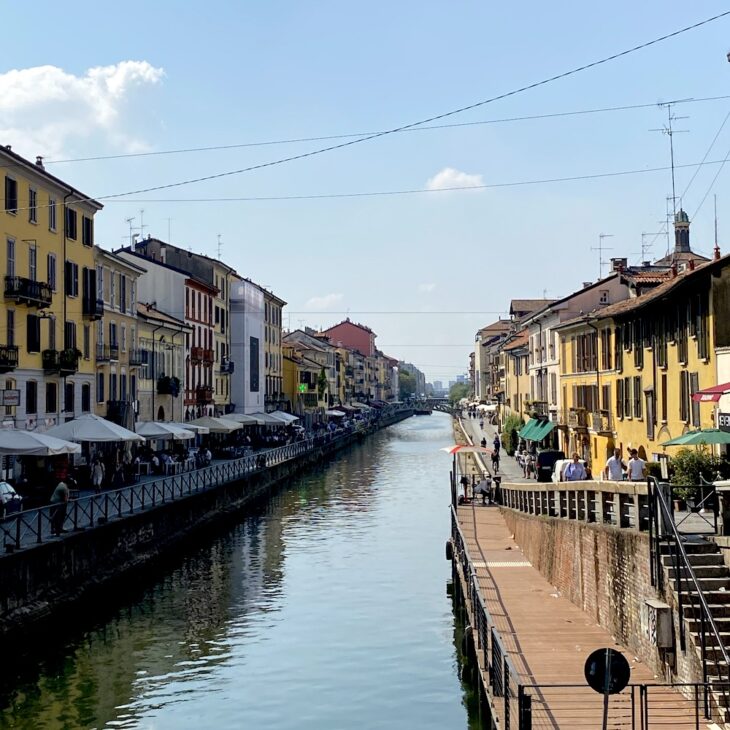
<point x="703" y="436"/>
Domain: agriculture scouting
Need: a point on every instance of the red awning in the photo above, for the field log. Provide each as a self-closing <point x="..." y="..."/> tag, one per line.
<point x="711" y="394"/>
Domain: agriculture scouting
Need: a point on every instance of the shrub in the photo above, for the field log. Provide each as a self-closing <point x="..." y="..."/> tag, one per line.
<point x="510" y="438"/>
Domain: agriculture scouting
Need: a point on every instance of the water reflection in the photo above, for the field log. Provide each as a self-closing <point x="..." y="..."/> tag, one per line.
<point x="325" y="609"/>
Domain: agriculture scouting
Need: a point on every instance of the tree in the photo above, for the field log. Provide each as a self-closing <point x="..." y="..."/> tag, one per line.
<point x="406" y="384"/>
<point x="322" y="384"/>
<point x="459" y="391"/>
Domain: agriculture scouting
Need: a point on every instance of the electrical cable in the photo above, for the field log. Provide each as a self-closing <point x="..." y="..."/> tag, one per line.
<point x="322" y="138"/>
<point x="437" y="117"/>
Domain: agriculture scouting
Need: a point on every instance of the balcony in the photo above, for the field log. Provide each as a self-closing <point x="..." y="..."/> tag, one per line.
<point x="601" y="422"/>
<point x="577" y="418"/>
<point x="310" y="400"/>
<point x="25" y="291"/>
<point x="226" y="366"/>
<point x="107" y="353"/>
<point x="137" y="358"/>
<point x="167" y="385"/>
<point x="538" y="408"/>
<point x="63" y="362"/>
<point x="8" y="358"/>
<point x="92" y="308"/>
<point x="201" y="356"/>
<point x="203" y="394"/>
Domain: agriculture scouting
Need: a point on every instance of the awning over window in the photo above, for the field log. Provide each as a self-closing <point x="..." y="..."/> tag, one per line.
<point x="711" y="394"/>
<point x="536" y="429"/>
<point x="528" y="428"/>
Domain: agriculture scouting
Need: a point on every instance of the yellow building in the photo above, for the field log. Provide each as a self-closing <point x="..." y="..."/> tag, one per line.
<point x="273" y="358"/>
<point x="300" y="376"/>
<point x="629" y="370"/>
<point x="160" y="386"/>
<point x="47" y="351"/>
<point x="117" y="354"/>
<point x="516" y="378"/>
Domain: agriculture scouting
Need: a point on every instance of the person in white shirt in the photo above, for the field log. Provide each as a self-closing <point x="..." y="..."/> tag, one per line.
<point x="615" y="467"/>
<point x="575" y="471"/>
<point x="637" y="467"/>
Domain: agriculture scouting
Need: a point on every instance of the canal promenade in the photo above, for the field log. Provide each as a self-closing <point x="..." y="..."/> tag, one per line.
<point x="531" y="642"/>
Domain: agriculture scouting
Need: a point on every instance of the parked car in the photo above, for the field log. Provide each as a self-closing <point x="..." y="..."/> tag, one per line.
<point x="544" y="464"/>
<point x="10" y="500"/>
<point x="557" y="475"/>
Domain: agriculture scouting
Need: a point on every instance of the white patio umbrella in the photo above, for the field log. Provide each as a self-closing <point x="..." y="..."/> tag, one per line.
<point x="283" y="416"/>
<point x="29" y="443"/>
<point x="216" y="425"/>
<point x="155" y="430"/>
<point x="243" y="419"/>
<point x="93" y="428"/>
<point x="267" y="419"/>
<point x="197" y="428"/>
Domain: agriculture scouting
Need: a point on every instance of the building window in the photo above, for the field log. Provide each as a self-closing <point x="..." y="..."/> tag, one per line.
<point x="68" y="398"/>
<point x="51" y="270"/>
<point x="51" y="397"/>
<point x="113" y="334"/>
<point x="33" y="326"/>
<point x="627" y="397"/>
<point x="122" y="293"/>
<point x="71" y="224"/>
<point x="51" y="333"/>
<point x="100" y="387"/>
<point x="254" y="364"/>
<point x="123" y="331"/>
<point x="10" y="321"/>
<point x="100" y="282"/>
<point x="9" y="385"/>
<point x="32" y="206"/>
<point x="638" y="341"/>
<point x="87" y="342"/>
<point x="637" y="397"/>
<point x="606" y="348"/>
<point x="684" y="396"/>
<point x="69" y="336"/>
<point x="51" y="215"/>
<point x="31" y="397"/>
<point x="112" y="288"/>
<point x="72" y="279"/>
<point x="85" y="398"/>
<point x="10" y="257"/>
<point x="33" y="262"/>
<point x="694" y="386"/>
<point x="87" y="231"/>
<point x="11" y="195"/>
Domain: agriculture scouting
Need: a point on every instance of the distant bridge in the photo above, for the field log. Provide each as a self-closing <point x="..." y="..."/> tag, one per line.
<point x="435" y="404"/>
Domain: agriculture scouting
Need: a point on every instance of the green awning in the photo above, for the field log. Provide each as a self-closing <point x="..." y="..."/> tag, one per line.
<point x="540" y="431"/>
<point x="528" y="428"/>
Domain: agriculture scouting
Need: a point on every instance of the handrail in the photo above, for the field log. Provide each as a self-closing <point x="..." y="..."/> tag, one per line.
<point x="656" y="493"/>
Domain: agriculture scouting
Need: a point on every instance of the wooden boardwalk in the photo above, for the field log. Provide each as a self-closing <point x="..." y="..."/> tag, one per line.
<point x="548" y="639"/>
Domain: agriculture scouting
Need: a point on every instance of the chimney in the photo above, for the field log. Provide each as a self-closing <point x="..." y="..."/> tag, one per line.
<point x="8" y="148"/>
<point x="586" y="284"/>
<point x="646" y="264"/>
<point x="691" y="264"/>
<point x="716" y="253"/>
<point x="39" y="162"/>
<point x="618" y="264"/>
<point x="674" y="270"/>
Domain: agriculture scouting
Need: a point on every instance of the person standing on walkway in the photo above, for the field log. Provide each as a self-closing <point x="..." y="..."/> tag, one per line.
<point x="97" y="474"/>
<point x="637" y="467"/>
<point x="615" y="467"/>
<point x="496" y="443"/>
<point x="575" y="471"/>
<point x="59" y="500"/>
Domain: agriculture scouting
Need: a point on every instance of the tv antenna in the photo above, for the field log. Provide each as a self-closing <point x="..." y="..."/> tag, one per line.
<point x="131" y="231"/>
<point x="601" y="248"/>
<point x="646" y="247"/>
<point x="142" y="226"/>
<point x="220" y="246"/>
<point x="669" y="130"/>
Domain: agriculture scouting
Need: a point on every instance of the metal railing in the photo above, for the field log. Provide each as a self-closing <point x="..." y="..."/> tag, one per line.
<point x="36" y="526"/>
<point x="691" y="601"/>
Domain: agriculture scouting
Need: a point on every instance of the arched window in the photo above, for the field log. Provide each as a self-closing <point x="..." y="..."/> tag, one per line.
<point x="160" y="414"/>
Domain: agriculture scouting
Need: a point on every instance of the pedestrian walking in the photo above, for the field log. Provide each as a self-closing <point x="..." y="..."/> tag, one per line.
<point x="636" y="467"/>
<point x="464" y="481"/>
<point x="496" y="443"/>
<point x="59" y="500"/>
<point x="615" y="467"/>
<point x="575" y="471"/>
<point x="495" y="461"/>
<point x="97" y="474"/>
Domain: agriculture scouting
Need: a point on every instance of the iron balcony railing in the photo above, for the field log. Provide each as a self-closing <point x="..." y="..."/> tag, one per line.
<point x="138" y="358"/>
<point x="26" y="291"/>
<point x="201" y="356"/>
<point x="8" y="358"/>
<point x="107" y="353"/>
<point x="577" y="418"/>
<point x="602" y="422"/>
<point x="62" y="362"/>
<point x="204" y="394"/>
<point x="92" y="308"/>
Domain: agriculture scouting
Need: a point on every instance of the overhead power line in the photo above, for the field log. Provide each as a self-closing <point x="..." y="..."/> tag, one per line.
<point x="322" y="138"/>
<point x="421" y="122"/>
<point x="415" y="191"/>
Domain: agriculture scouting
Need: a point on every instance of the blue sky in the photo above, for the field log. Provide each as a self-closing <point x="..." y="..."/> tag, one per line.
<point x="231" y="73"/>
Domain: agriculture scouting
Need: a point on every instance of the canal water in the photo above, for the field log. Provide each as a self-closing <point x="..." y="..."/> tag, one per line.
<point x="326" y="609"/>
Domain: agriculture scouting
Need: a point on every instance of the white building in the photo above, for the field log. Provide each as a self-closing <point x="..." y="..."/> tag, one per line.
<point x="248" y="386"/>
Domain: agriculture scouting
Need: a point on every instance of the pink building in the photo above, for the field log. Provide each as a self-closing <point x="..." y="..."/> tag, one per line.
<point x="352" y="335"/>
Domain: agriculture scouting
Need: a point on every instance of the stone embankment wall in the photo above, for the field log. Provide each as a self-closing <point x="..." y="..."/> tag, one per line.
<point x="605" y="571"/>
<point x="44" y="581"/>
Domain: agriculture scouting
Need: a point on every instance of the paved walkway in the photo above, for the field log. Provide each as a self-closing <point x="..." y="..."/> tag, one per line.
<point x="549" y="638"/>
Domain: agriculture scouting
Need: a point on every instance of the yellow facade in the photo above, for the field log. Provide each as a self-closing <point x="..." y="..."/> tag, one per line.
<point x="49" y="343"/>
<point x="223" y="276"/>
<point x="273" y="357"/>
<point x="628" y="371"/>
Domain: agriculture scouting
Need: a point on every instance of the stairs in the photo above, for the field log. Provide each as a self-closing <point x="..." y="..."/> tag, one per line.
<point x="713" y="577"/>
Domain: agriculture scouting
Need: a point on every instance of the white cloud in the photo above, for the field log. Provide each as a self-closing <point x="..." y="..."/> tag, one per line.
<point x="452" y="178"/>
<point x="325" y="302"/>
<point x="426" y="288"/>
<point x="45" y="110"/>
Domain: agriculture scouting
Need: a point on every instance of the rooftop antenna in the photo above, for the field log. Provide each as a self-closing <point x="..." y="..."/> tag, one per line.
<point x="646" y="247"/>
<point x="601" y="248"/>
<point x="142" y="226"/>
<point x="717" y="246"/>
<point x="669" y="130"/>
<point x="220" y="246"/>
<point x="131" y="229"/>
<point x="169" y="221"/>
